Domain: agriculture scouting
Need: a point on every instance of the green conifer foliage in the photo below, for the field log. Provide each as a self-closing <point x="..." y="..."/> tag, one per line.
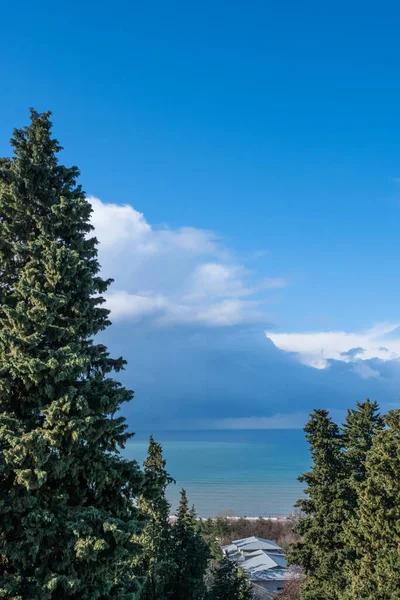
<point x="375" y="531"/>
<point x="229" y="582"/>
<point x="190" y="554"/>
<point x="359" y="429"/>
<point x="321" y="552"/>
<point x="67" y="516"/>
<point x="358" y="432"/>
<point x="155" y="564"/>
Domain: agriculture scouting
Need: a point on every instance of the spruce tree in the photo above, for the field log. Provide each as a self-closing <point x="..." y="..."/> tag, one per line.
<point x="155" y="565"/>
<point x="321" y="553"/>
<point x="359" y="429"/>
<point x="374" y="533"/>
<point x="190" y="553"/>
<point x="358" y="432"/>
<point x="229" y="582"/>
<point x="67" y="514"/>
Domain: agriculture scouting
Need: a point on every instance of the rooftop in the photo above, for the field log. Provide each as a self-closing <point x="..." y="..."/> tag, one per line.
<point x="255" y="543"/>
<point x="262" y="559"/>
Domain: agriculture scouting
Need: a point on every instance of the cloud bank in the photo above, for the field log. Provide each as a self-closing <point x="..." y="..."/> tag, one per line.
<point x="190" y="317"/>
<point x="317" y="349"/>
<point x="174" y="276"/>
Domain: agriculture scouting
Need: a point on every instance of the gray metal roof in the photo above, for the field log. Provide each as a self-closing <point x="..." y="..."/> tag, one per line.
<point x="255" y="543"/>
<point x="271" y="560"/>
<point x="262" y="559"/>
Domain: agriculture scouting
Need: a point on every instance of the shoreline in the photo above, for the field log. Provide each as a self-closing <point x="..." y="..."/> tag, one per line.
<point x="236" y="518"/>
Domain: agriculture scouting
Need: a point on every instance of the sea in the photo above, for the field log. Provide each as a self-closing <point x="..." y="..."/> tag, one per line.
<point x="232" y="473"/>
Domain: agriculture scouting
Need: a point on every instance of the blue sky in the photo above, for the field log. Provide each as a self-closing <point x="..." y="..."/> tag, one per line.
<point x="257" y="147"/>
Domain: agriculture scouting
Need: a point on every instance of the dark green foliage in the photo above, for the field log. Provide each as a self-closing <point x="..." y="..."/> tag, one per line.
<point x="359" y="429"/>
<point x="155" y="565"/>
<point x="229" y="582"/>
<point x="374" y="533"/>
<point x="338" y="473"/>
<point x="67" y="517"/>
<point x="321" y="553"/>
<point x="190" y="553"/>
<point x="207" y="530"/>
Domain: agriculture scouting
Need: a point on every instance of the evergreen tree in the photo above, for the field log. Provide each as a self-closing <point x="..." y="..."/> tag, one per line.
<point x="359" y="430"/>
<point x="190" y="554"/>
<point x="374" y="533"/>
<point x="229" y="582"/>
<point x="67" y="516"/>
<point x="155" y="565"/>
<point x="321" y="553"/>
<point x="207" y="530"/>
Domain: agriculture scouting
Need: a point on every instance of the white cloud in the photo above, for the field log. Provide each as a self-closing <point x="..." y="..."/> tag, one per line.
<point x="230" y="312"/>
<point x="182" y="275"/>
<point x="166" y="277"/>
<point x="134" y="306"/>
<point x="317" y="348"/>
<point x="218" y="280"/>
<point x="114" y="224"/>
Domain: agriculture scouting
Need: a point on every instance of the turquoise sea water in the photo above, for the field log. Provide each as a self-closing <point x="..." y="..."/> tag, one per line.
<point x="251" y="473"/>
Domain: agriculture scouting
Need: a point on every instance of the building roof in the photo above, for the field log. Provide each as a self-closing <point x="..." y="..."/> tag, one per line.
<point x="270" y="560"/>
<point x="269" y="575"/>
<point x="255" y="543"/>
<point x="262" y="559"/>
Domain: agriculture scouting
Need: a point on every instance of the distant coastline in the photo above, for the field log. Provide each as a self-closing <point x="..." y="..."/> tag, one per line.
<point x="173" y="518"/>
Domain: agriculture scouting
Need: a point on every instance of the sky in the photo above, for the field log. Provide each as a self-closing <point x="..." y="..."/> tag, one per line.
<point x="243" y="163"/>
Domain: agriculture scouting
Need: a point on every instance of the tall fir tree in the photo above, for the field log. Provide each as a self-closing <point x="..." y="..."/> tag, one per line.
<point x="190" y="553"/>
<point x="67" y="513"/>
<point x="229" y="582"/>
<point x="155" y="567"/>
<point x="374" y="534"/>
<point x="321" y="553"/>
<point x="359" y="429"/>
